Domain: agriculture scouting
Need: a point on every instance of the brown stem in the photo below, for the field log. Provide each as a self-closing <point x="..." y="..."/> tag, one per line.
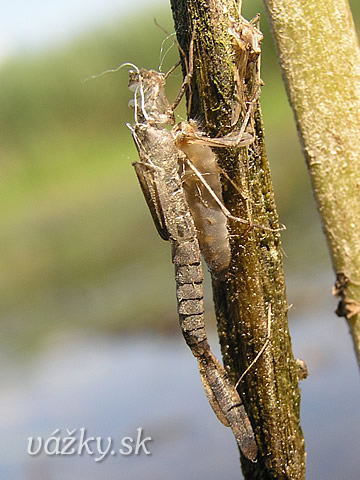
<point x="255" y="280"/>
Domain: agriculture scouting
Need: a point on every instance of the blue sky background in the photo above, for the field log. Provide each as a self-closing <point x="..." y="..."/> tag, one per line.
<point x="36" y="24"/>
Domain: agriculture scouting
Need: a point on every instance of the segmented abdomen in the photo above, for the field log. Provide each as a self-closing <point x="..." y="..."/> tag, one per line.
<point x="189" y="292"/>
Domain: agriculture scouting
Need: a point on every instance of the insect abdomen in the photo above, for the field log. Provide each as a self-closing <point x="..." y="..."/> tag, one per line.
<point x="189" y="292"/>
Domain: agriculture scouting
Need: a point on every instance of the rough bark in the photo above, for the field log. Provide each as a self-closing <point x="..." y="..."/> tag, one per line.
<point x="255" y="281"/>
<point x="320" y="59"/>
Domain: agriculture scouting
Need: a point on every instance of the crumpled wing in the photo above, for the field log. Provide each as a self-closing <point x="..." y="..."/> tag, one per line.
<point x="149" y="189"/>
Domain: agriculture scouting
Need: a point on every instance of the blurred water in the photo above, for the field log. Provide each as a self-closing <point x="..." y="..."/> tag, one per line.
<point x="113" y="385"/>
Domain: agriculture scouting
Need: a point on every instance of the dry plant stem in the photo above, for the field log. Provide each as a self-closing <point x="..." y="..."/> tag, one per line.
<point x="320" y="59"/>
<point x="255" y="281"/>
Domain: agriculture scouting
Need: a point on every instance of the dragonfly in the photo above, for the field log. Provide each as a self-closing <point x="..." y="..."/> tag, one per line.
<point x="158" y="174"/>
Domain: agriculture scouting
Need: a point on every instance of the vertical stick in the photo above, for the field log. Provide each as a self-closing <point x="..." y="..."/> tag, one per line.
<point x="255" y="281"/>
<point x="325" y="97"/>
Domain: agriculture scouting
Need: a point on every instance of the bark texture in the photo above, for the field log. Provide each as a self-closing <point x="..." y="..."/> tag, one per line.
<point x="320" y="59"/>
<point x="255" y="281"/>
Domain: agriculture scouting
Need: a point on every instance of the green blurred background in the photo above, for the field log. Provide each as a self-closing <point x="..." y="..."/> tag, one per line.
<point x="78" y="247"/>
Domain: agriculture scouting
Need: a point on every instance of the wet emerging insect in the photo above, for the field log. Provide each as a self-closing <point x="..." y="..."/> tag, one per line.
<point x="163" y="190"/>
<point x="180" y="180"/>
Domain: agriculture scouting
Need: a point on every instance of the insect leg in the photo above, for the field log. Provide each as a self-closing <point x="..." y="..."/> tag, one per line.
<point x="222" y="206"/>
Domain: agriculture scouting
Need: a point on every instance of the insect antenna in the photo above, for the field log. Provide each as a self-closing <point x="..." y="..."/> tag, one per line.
<point x="162" y="53"/>
<point x="110" y="70"/>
